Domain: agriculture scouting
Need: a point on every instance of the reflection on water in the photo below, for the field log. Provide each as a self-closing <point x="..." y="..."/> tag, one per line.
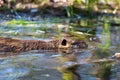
<point x="29" y="67"/>
<point x="11" y="72"/>
<point x="104" y="70"/>
<point x="69" y="67"/>
<point x="70" y="75"/>
<point x="44" y="74"/>
<point x="34" y="66"/>
<point x="115" y="39"/>
<point x="93" y="63"/>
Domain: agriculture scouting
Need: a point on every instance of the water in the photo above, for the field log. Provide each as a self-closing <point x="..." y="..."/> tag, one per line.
<point x="93" y="63"/>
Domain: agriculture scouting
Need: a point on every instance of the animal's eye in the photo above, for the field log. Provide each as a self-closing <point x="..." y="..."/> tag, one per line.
<point x="64" y="42"/>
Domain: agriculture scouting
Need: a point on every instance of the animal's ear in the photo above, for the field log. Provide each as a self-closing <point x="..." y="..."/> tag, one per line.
<point x="64" y="42"/>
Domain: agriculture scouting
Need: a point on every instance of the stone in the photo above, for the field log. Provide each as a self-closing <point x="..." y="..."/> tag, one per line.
<point x="116" y="55"/>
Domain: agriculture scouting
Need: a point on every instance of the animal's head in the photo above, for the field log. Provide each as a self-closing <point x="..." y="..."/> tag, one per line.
<point x="70" y="43"/>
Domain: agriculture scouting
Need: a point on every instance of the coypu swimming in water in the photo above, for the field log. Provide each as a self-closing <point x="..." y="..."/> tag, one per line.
<point x="17" y="45"/>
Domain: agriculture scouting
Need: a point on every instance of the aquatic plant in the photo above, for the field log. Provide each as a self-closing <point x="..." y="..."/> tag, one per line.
<point x="20" y="22"/>
<point x="88" y="3"/>
<point x="70" y="9"/>
<point x="106" y="42"/>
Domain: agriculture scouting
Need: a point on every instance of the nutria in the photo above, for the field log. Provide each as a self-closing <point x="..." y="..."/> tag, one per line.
<point x="18" y="45"/>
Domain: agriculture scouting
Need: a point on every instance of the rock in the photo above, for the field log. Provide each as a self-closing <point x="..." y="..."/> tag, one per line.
<point x="55" y="1"/>
<point x="116" y="55"/>
<point x="34" y="10"/>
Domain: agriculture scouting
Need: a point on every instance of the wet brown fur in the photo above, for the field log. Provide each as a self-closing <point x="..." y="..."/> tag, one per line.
<point x="17" y="45"/>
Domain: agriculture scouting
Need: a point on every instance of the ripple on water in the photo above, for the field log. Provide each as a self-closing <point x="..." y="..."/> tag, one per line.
<point x="21" y="67"/>
<point x="11" y="72"/>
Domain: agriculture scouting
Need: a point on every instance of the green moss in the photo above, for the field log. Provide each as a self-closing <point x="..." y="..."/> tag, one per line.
<point x="15" y="22"/>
